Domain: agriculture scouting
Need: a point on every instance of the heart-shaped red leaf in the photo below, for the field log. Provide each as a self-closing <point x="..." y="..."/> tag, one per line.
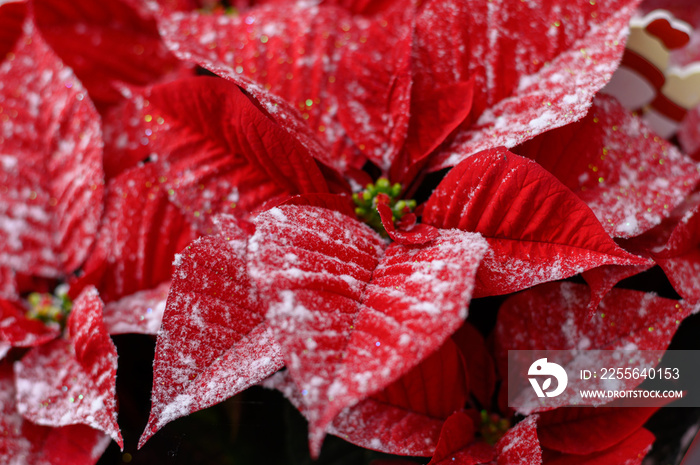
<point x="352" y="312"/>
<point x="630" y="177"/>
<point x="536" y="66"/>
<point x="585" y="430"/>
<point x="140" y="233"/>
<point x="108" y="44"/>
<point x="50" y="166"/>
<point x="214" y="342"/>
<point x="631" y="451"/>
<point x="220" y="151"/>
<point x="538" y="229"/>
<point x="23" y="442"/>
<point x="73" y="382"/>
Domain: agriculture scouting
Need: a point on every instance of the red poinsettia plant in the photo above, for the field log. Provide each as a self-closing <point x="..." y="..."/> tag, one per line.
<point x="359" y="206"/>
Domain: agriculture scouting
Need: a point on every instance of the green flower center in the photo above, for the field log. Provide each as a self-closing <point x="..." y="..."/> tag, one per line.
<point x="50" y="308"/>
<point x="366" y="203"/>
<point x="493" y="427"/>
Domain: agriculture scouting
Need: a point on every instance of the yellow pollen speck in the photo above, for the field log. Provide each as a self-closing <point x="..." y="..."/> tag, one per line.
<point x="309" y="102"/>
<point x="595" y="119"/>
<point x="32" y="195"/>
<point x="331" y="79"/>
<point x="263" y="39"/>
<point x="651" y="328"/>
<point x="148" y="118"/>
<point x="322" y="128"/>
<point x="601" y="179"/>
<point x="160" y="120"/>
<point x="557" y="24"/>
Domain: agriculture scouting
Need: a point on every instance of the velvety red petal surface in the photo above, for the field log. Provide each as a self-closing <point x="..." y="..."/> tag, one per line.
<point x="108" y="44"/>
<point x="538" y="230"/>
<point x="630" y="177"/>
<point x="352" y="312"/>
<point x="406" y="417"/>
<point x="555" y="316"/>
<point x="536" y="66"/>
<point x="72" y="382"/>
<point x="214" y="342"/>
<point x="296" y="53"/>
<point x="50" y="167"/>
<point x="220" y="151"/>
<point x="140" y="233"/>
<point x="25" y="443"/>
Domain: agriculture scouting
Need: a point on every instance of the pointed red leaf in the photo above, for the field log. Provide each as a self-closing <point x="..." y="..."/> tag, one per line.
<point x="125" y="133"/>
<point x="19" y="331"/>
<point x="630" y="177"/>
<point x="220" y="151"/>
<point x="22" y="442"/>
<point x="108" y="44"/>
<point x="11" y="19"/>
<point x="538" y="229"/>
<point x="296" y="53"/>
<point x="631" y="451"/>
<point x="435" y="113"/>
<point x="50" y="166"/>
<point x="680" y="256"/>
<point x="536" y="66"/>
<point x="585" y="430"/>
<point x="374" y="85"/>
<point x="602" y="279"/>
<point x="138" y="313"/>
<point x="140" y="233"/>
<point x="520" y="445"/>
<point x="456" y="444"/>
<point x="351" y="312"/>
<point x="73" y="382"/>
<point x="214" y="342"/>
<point x="556" y="313"/>
<point x="555" y="316"/>
<point x="407" y="416"/>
